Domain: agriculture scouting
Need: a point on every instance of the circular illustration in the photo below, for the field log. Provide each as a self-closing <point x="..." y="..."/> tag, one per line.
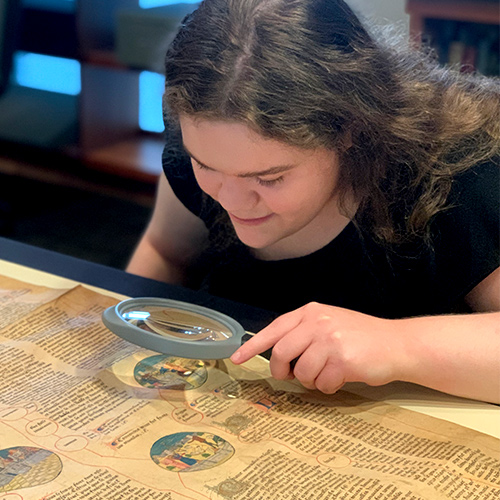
<point x="191" y="451"/>
<point x="169" y="372"/>
<point x="26" y="466"/>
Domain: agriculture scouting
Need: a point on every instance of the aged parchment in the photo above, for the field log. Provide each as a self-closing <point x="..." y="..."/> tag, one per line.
<point x="86" y="415"/>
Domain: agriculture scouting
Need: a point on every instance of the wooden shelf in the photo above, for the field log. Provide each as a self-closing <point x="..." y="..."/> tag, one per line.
<point x="136" y="158"/>
<point x="104" y="58"/>
<point x="486" y="12"/>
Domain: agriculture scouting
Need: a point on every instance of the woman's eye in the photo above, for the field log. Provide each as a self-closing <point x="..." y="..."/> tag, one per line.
<point x="270" y="182"/>
<point x="262" y="182"/>
<point x="199" y="165"/>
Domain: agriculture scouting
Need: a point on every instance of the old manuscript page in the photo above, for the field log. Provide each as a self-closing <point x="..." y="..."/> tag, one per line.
<point x="86" y="415"/>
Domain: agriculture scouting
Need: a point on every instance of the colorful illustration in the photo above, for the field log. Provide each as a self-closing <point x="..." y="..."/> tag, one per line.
<point x="169" y="372"/>
<point x="191" y="451"/>
<point x="25" y="467"/>
<point x="266" y="403"/>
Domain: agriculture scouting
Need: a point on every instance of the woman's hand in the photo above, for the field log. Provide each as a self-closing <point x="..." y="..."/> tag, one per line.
<point x="331" y="346"/>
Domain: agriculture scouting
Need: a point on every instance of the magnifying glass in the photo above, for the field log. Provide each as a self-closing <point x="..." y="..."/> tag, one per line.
<point x="175" y="327"/>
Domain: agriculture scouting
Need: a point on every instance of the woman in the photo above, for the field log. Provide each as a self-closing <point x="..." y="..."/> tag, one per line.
<point x="346" y="183"/>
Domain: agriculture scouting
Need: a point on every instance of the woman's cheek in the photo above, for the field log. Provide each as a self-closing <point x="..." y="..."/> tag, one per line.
<point x="207" y="182"/>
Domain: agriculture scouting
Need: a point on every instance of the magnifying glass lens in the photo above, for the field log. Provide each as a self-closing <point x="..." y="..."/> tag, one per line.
<point x="178" y="323"/>
<point x="174" y="327"/>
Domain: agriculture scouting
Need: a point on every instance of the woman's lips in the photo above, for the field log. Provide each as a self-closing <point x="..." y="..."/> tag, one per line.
<point x="250" y="222"/>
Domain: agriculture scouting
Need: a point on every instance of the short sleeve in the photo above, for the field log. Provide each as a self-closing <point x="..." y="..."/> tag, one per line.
<point x="467" y="234"/>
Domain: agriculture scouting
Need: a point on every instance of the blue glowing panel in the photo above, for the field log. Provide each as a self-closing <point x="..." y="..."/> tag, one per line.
<point x="151" y="87"/>
<point x="54" y="74"/>
<point x="148" y="4"/>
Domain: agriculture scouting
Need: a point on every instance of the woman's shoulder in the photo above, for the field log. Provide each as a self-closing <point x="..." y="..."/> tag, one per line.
<point x="480" y="174"/>
<point x="478" y="186"/>
<point x="466" y="234"/>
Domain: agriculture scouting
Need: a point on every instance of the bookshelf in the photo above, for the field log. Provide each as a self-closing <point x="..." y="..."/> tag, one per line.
<point x="463" y="33"/>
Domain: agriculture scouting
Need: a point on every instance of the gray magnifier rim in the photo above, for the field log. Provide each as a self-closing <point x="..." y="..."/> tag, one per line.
<point x="113" y="319"/>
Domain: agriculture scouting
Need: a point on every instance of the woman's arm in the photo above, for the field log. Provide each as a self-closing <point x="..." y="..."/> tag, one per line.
<point x="457" y="354"/>
<point x="173" y="238"/>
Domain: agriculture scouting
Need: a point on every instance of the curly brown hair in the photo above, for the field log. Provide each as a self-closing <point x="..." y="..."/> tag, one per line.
<point x="308" y="72"/>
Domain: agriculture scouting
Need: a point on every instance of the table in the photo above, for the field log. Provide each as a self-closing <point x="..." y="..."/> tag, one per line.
<point x="43" y="267"/>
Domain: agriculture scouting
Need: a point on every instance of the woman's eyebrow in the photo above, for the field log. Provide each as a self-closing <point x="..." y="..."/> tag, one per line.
<point x="268" y="171"/>
<point x="278" y="169"/>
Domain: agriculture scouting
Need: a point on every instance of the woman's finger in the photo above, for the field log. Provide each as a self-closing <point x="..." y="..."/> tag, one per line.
<point x="267" y="337"/>
<point x="309" y="365"/>
<point x="331" y="378"/>
<point x="288" y="350"/>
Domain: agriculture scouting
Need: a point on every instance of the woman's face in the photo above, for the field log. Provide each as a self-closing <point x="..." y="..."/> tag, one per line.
<point x="280" y="198"/>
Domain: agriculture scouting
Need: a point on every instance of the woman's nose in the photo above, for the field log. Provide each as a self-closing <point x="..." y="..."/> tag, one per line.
<point x="235" y="194"/>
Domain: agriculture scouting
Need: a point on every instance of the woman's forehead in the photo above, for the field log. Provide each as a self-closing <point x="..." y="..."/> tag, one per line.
<point x="215" y="142"/>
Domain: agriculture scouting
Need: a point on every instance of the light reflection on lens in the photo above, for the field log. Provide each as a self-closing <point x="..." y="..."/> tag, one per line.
<point x="138" y="315"/>
<point x="173" y="322"/>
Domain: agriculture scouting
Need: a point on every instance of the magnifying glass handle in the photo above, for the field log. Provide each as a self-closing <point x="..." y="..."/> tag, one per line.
<point x="266" y="354"/>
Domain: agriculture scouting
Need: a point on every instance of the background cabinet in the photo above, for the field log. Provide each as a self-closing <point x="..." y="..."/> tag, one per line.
<point x="92" y="112"/>
<point x="117" y="47"/>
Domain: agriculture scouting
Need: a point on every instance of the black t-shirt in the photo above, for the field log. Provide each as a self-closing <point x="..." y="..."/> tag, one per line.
<point x="353" y="270"/>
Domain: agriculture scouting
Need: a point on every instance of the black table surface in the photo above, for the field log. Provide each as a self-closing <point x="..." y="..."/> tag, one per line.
<point x="119" y="281"/>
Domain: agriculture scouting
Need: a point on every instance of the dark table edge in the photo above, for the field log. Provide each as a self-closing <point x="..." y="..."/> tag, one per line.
<point x="119" y="281"/>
